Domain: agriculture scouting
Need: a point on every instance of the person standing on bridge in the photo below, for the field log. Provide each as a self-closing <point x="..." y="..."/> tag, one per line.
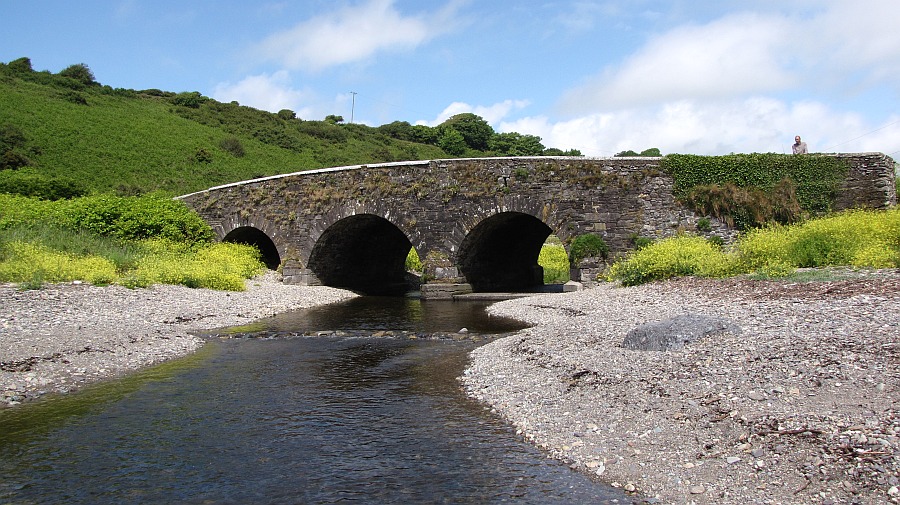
<point x="799" y="146"/>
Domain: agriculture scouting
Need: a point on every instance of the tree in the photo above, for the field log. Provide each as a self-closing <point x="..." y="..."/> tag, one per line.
<point x="553" y="151"/>
<point x="21" y="66"/>
<point x="646" y="153"/>
<point x="424" y="134"/>
<point x="452" y="142"/>
<point x="476" y="131"/>
<point x="516" y="144"/>
<point x="191" y="99"/>
<point x="287" y="114"/>
<point x="398" y="129"/>
<point x="331" y="118"/>
<point x="79" y="72"/>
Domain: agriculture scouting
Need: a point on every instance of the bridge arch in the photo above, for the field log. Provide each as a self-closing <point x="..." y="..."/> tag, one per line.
<point x="250" y="235"/>
<point x="501" y="253"/>
<point x="362" y="252"/>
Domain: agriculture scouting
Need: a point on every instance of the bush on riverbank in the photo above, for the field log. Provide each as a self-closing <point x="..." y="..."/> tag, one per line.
<point x="133" y="241"/>
<point x="555" y="261"/>
<point x="857" y="238"/>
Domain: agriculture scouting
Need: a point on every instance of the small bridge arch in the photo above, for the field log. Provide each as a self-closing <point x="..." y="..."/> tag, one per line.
<point x="250" y="235"/>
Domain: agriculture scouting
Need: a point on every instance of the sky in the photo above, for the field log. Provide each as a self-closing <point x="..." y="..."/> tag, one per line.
<point x="601" y="76"/>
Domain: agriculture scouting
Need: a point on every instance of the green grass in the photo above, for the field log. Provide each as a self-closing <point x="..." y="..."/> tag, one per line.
<point x="856" y="239"/>
<point x="144" y="143"/>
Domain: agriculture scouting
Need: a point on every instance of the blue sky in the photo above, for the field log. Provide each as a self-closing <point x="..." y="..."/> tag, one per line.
<point x="602" y="76"/>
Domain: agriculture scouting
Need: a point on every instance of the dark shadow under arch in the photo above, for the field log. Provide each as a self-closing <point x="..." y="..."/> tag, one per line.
<point x="501" y="253"/>
<point x="364" y="253"/>
<point x="256" y="237"/>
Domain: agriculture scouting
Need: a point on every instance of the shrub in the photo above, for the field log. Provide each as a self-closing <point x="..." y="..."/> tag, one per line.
<point x="233" y="146"/>
<point x="413" y="262"/>
<point x="858" y="238"/>
<point x="74" y="97"/>
<point x="21" y="66"/>
<point x="287" y="114"/>
<point x="555" y="262"/>
<point x="640" y="242"/>
<point x="203" y="156"/>
<point x="216" y="266"/>
<point x="79" y="72"/>
<point x="135" y="218"/>
<point x="585" y="246"/>
<point x="746" y="208"/>
<point x="191" y="99"/>
<point x="39" y="186"/>
<point x="25" y="261"/>
<point x="12" y="148"/>
<point x="704" y="225"/>
<point x="672" y="257"/>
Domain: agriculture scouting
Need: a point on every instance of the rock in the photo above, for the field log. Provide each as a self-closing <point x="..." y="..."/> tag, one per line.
<point x="572" y="286"/>
<point x="698" y="489"/>
<point x="756" y="395"/>
<point x="675" y="333"/>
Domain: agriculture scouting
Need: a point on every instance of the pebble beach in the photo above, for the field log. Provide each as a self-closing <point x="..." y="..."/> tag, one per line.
<point x="796" y="403"/>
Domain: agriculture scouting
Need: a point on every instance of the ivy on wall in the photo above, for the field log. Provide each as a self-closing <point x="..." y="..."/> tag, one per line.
<point x="808" y="181"/>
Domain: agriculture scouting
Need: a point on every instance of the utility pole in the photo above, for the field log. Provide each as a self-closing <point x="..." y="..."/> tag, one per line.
<point x="353" y="105"/>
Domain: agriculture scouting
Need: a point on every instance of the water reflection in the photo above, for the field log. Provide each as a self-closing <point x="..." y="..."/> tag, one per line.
<point x="373" y="314"/>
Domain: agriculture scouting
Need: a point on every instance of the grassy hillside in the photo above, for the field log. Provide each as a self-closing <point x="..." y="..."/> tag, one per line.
<point x="126" y="141"/>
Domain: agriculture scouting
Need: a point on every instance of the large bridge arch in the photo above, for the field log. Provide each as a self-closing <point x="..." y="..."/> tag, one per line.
<point x="362" y="252"/>
<point x="501" y="253"/>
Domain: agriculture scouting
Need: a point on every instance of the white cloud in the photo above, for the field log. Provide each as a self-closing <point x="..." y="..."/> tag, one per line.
<point x="271" y="92"/>
<point x="730" y="57"/>
<point x="756" y="124"/>
<point x="842" y="48"/>
<point x="352" y="34"/>
<point x="858" y="36"/>
<point x="493" y="114"/>
<point x="732" y="85"/>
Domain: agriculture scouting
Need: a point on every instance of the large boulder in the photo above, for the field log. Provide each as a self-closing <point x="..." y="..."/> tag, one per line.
<point x="674" y="333"/>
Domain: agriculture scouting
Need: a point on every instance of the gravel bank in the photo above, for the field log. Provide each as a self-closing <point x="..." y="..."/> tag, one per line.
<point x="798" y="404"/>
<point x="801" y="406"/>
<point x="61" y="337"/>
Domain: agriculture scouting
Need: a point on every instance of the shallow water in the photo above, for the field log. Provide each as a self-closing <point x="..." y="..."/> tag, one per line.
<point x="283" y="418"/>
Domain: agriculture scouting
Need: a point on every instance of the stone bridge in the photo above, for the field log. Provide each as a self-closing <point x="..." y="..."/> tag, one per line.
<point x="477" y="224"/>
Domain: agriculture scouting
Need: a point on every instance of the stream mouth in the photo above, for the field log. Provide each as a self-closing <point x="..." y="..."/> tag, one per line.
<point x="271" y="415"/>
